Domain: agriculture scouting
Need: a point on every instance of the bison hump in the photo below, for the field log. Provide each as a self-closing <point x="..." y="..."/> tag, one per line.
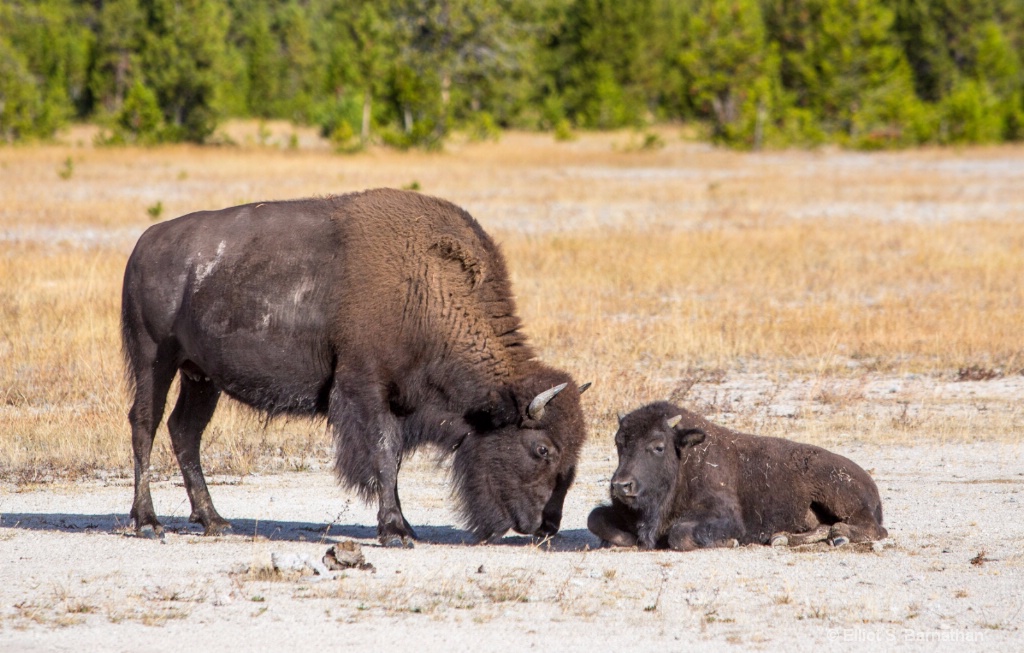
<point x="450" y="249"/>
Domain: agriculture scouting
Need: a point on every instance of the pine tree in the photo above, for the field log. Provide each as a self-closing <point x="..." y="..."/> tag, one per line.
<point x="51" y="42"/>
<point x="603" y="69"/>
<point x="262" y="58"/>
<point x="449" y="51"/>
<point x="728" y="68"/>
<point x="185" y="64"/>
<point x="116" y="58"/>
<point x="843" y="71"/>
<point x="21" y="104"/>
<point x="299" y="67"/>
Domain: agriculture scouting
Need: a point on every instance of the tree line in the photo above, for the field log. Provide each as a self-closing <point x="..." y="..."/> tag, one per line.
<point x="752" y="73"/>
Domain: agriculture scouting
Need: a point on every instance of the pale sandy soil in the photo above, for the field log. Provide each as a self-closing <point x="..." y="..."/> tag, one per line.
<point x="74" y="580"/>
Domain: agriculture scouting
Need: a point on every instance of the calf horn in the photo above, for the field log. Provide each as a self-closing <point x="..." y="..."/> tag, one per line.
<point x="536" y="409"/>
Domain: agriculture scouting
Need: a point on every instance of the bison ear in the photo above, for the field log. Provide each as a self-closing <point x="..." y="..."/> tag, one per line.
<point x="496" y="410"/>
<point x="689" y="438"/>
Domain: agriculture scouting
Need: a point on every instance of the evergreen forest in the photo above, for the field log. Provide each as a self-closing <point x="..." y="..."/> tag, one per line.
<point x="408" y="73"/>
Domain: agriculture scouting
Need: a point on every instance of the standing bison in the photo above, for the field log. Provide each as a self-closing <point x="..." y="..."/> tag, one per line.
<point x="388" y="312"/>
<point x="685" y="483"/>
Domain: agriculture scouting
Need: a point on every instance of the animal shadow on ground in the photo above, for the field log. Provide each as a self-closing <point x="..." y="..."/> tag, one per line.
<point x="286" y="531"/>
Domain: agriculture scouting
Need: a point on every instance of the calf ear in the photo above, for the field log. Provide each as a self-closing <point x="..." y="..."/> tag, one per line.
<point x="685" y="437"/>
<point x="690" y="438"/>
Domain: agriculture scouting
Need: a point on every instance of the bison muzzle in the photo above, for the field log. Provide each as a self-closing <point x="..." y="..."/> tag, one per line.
<point x="685" y="483"/>
<point x="388" y="312"/>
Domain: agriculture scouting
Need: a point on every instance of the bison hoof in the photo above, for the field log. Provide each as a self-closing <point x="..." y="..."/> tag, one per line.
<point x="397" y="542"/>
<point x="780" y="540"/>
<point x="151" y="532"/>
<point x="217" y="528"/>
<point x="840" y="541"/>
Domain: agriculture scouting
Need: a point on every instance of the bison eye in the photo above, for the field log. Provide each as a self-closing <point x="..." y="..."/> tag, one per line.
<point x="542" y="451"/>
<point x="658" y="449"/>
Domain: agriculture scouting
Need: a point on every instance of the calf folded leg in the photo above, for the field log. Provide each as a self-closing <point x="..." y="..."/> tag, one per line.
<point x="716" y="523"/>
<point x="819" y="534"/>
<point x="843" y="532"/>
<point x="613" y="526"/>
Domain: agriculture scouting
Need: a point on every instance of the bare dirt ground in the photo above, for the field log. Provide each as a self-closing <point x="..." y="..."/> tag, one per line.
<point x="950" y="577"/>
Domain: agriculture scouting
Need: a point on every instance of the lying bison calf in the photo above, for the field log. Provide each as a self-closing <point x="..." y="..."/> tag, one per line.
<point x="685" y="483"/>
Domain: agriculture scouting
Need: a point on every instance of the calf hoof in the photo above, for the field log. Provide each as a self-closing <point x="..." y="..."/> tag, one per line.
<point x="839" y="541"/>
<point x="779" y="540"/>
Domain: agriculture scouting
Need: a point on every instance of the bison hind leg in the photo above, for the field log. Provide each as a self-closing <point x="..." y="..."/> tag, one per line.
<point x="150" y="373"/>
<point x="193" y="411"/>
<point x="844" y="532"/>
<point x="819" y="534"/>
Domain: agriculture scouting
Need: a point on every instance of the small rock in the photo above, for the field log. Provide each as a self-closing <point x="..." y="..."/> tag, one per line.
<point x="346" y="555"/>
<point x="297" y="562"/>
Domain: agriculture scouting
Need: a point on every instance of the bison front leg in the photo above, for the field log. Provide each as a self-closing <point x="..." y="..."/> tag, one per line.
<point x="368" y="448"/>
<point x="393" y="530"/>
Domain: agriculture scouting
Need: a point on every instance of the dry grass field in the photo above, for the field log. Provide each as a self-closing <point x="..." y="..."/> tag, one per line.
<point x="652" y="273"/>
<point x="872" y="303"/>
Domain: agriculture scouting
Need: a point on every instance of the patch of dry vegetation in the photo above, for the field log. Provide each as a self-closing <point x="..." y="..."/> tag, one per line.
<point x="646" y="272"/>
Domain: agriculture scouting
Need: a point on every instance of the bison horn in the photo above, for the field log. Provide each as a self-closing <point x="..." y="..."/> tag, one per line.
<point x="672" y="421"/>
<point x="583" y="388"/>
<point x="621" y="417"/>
<point x="536" y="409"/>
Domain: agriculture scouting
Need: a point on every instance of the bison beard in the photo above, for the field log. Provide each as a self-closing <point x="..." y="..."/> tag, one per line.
<point x="386" y="311"/>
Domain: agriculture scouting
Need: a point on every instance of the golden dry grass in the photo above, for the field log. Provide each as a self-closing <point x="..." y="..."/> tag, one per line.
<point x="641" y="271"/>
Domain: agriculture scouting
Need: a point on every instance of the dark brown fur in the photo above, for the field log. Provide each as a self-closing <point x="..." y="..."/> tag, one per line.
<point x="694" y="484"/>
<point x="387" y="311"/>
